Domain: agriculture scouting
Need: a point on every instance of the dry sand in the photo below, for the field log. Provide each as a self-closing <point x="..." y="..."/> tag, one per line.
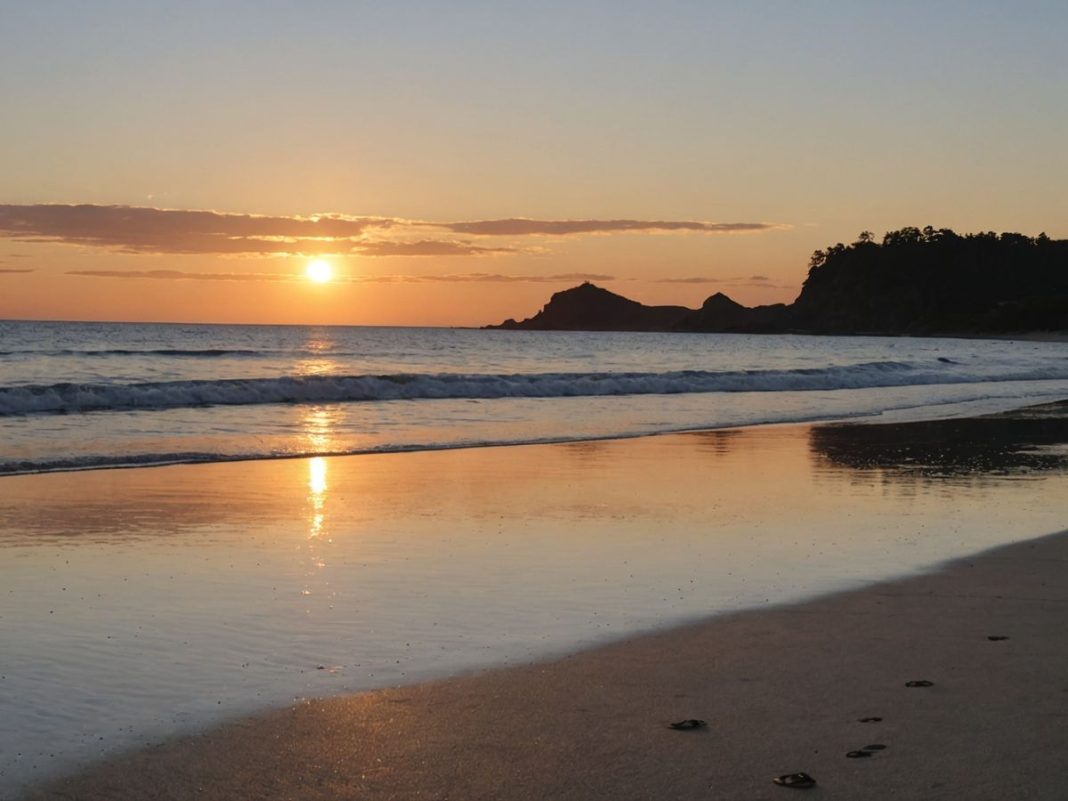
<point x="782" y="691"/>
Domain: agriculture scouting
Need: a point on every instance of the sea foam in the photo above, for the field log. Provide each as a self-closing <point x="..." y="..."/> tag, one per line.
<point x="75" y="397"/>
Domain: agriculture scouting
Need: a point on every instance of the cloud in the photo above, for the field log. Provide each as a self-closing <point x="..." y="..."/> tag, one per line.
<point x="692" y="280"/>
<point x="735" y="281"/>
<point x="521" y="226"/>
<point x="427" y="247"/>
<point x="148" y="230"/>
<point x="501" y="278"/>
<point x="185" y="275"/>
<point x="133" y="229"/>
<point x="11" y="270"/>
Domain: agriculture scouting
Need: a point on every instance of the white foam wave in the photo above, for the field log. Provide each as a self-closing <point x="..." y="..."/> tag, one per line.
<point x="69" y="398"/>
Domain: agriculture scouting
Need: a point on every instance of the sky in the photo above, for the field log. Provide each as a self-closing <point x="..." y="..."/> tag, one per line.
<point x="455" y="163"/>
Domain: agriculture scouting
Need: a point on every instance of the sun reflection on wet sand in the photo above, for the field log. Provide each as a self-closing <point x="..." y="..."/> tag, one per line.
<point x="316" y="496"/>
<point x="235" y="582"/>
<point x="317" y="478"/>
<point x="316" y="539"/>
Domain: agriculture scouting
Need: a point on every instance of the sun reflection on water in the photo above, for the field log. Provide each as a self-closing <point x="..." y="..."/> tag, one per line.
<point x="309" y="367"/>
<point x="318" y="423"/>
<point x="318" y="346"/>
<point x="319" y="341"/>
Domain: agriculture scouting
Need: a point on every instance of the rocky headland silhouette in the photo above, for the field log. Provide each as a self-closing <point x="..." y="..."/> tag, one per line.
<point x="915" y="281"/>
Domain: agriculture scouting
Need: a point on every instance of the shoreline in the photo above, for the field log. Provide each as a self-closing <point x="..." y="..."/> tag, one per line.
<point x="781" y="689"/>
<point x="1036" y="336"/>
<point x="930" y="412"/>
<point x="1018" y="336"/>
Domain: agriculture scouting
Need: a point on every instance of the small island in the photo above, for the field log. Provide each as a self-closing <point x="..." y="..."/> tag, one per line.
<point x="915" y="281"/>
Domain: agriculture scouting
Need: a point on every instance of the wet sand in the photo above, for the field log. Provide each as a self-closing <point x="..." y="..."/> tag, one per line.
<point x="782" y="689"/>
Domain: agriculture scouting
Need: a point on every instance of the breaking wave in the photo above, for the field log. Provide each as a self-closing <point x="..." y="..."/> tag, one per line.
<point x="180" y="353"/>
<point x="65" y="398"/>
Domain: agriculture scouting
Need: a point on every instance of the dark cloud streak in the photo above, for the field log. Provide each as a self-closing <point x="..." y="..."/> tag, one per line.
<point x="499" y="278"/>
<point x="427" y="247"/>
<point x="132" y="229"/>
<point x="760" y="281"/>
<point x="521" y="226"/>
<point x="183" y="275"/>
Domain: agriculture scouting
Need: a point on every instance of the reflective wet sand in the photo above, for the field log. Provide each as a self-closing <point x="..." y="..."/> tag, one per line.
<point x="142" y="603"/>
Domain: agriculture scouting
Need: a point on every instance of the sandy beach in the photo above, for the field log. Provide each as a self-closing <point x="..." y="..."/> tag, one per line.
<point x="782" y="691"/>
<point x="783" y="688"/>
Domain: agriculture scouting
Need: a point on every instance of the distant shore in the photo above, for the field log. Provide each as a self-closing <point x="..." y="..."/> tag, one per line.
<point x="913" y="282"/>
<point x="1019" y="336"/>
<point x="1026" y="336"/>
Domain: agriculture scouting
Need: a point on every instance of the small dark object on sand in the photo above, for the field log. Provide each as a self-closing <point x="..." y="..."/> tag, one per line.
<point x="870" y="720"/>
<point x="799" y="781"/>
<point x="686" y="725"/>
<point x="919" y="683"/>
<point x="876" y="747"/>
<point x="997" y="637"/>
<point x="858" y="754"/>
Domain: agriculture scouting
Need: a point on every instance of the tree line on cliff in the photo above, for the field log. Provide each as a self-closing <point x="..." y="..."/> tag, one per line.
<point x="913" y="281"/>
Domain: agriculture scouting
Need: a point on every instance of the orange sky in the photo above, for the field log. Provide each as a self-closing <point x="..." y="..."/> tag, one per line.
<point x="457" y="163"/>
<point x="100" y="262"/>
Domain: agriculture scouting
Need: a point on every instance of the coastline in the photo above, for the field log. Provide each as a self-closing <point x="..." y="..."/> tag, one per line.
<point x="1009" y="336"/>
<point x="868" y="453"/>
<point x="1022" y="336"/>
<point x="781" y="689"/>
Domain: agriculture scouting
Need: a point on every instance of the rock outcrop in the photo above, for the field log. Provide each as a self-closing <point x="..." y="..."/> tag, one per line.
<point x="929" y="281"/>
<point x="591" y="308"/>
<point x="722" y="314"/>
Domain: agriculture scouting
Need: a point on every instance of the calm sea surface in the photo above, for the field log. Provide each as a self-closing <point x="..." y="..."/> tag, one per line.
<point x="136" y="604"/>
<point x="85" y="395"/>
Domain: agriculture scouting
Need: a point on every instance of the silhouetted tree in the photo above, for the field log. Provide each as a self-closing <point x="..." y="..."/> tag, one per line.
<point x="933" y="279"/>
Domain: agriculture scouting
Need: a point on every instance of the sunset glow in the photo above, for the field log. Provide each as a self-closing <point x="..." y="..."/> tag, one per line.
<point x="358" y="351"/>
<point x="319" y="271"/>
<point x="665" y="156"/>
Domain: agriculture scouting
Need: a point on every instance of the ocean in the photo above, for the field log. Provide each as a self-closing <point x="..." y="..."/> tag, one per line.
<point x="227" y="576"/>
<point x="93" y="395"/>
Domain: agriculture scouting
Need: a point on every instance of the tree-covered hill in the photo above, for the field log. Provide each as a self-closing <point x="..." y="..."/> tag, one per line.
<point x="935" y="280"/>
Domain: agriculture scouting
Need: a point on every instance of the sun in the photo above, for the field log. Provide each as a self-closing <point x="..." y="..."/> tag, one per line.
<point x="318" y="271"/>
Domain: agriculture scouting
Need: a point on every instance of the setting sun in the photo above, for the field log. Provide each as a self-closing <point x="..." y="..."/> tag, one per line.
<point x="318" y="271"/>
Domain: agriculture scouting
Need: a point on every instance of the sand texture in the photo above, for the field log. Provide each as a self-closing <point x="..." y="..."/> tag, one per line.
<point x="781" y="689"/>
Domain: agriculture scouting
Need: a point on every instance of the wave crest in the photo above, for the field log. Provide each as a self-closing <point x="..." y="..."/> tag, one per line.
<point x="76" y="398"/>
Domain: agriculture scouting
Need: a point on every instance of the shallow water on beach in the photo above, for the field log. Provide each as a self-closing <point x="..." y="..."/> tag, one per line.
<point x="96" y="395"/>
<point x="136" y="604"/>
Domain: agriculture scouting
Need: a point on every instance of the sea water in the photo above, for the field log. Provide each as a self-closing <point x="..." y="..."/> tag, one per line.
<point x="87" y="395"/>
